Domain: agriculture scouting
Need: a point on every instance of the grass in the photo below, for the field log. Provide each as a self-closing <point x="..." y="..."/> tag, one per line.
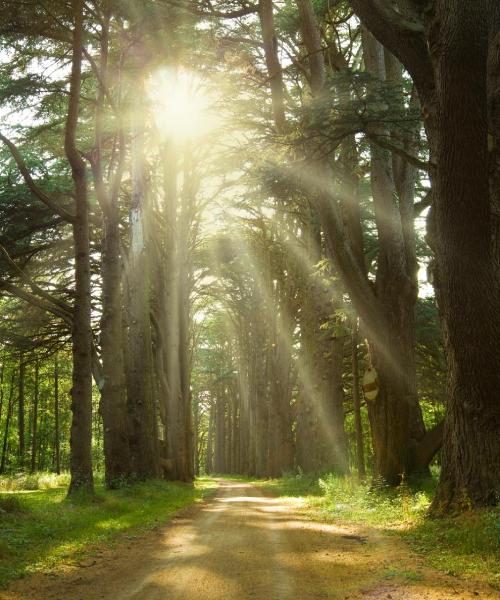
<point x="467" y="545"/>
<point x="41" y="529"/>
<point x="33" y="481"/>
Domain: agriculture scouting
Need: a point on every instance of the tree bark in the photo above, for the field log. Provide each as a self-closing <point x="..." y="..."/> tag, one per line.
<point x="57" y="439"/>
<point x="142" y="411"/>
<point x="447" y="48"/>
<point x="396" y="406"/>
<point x="467" y="279"/>
<point x="10" y="409"/>
<point x="273" y="64"/>
<point x="113" y="405"/>
<point x="356" y="400"/>
<point x="81" y="393"/>
<point x="34" y="431"/>
<point x="20" y="412"/>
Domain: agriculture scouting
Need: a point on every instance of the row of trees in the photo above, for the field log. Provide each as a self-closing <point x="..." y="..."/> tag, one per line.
<point x="108" y="253"/>
<point x="291" y="231"/>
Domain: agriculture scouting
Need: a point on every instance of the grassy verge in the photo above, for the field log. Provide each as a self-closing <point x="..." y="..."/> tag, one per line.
<point x="40" y="529"/>
<point x="467" y="545"/>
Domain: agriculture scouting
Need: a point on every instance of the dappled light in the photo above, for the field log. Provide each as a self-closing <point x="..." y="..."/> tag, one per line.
<point x="249" y="295"/>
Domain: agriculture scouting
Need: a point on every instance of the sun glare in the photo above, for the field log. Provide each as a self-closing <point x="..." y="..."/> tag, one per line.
<point x="181" y="105"/>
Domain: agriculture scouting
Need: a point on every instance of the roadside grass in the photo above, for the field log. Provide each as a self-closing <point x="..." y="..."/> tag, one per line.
<point x="40" y="528"/>
<point x="33" y="481"/>
<point x="467" y="545"/>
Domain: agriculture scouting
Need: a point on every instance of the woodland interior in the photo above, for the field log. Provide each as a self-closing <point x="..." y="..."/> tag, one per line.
<point x="253" y="240"/>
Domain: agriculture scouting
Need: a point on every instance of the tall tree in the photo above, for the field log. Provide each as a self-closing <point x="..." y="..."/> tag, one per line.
<point x="439" y="48"/>
<point x="81" y="392"/>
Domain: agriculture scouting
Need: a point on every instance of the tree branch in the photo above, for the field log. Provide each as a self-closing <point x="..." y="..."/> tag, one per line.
<point x="385" y="142"/>
<point x="232" y="14"/>
<point x="404" y="38"/>
<point x="429" y="446"/>
<point x="34" y="300"/>
<point x="34" y="287"/>
<point x="34" y="189"/>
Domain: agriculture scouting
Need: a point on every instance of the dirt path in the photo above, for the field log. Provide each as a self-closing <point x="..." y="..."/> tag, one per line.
<point x="242" y="545"/>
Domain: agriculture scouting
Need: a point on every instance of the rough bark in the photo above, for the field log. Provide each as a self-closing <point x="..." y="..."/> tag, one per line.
<point x="468" y="287"/>
<point x="175" y="312"/>
<point x="81" y="392"/>
<point x="113" y="405"/>
<point x="396" y="406"/>
<point x="142" y="413"/>
<point x="447" y="56"/>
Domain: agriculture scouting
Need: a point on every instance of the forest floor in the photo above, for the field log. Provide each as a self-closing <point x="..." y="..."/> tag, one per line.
<point x="244" y="543"/>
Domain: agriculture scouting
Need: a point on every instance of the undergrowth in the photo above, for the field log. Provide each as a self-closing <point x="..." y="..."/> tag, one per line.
<point x="466" y="545"/>
<point x="40" y="528"/>
<point x="33" y="481"/>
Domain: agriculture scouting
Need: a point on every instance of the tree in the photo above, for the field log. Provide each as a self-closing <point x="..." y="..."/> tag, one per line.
<point x="436" y="49"/>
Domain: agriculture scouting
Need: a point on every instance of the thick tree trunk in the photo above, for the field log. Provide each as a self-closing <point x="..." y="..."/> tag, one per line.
<point x="396" y="406"/>
<point x="81" y="392"/>
<point x="142" y="411"/>
<point x="175" y="311"/>
<point x="467" y="279"/>
<point x="447" y="59"/>
<point x="113" y="406"/>
<point x="114" y="389"/>
<point x="321" y="439"/>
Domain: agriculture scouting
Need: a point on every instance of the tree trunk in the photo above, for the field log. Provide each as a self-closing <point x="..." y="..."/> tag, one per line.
<point x="467" y="280"/>
<point x="220" y="437"/>
<point x="447" y="59"/>
<point x="356" y="400"/>
<point x="273" y="64"/>
<point x="20" y="412"/>
<point x="34" y="435"/>
<point x="396" y="404"/>
<point x="10" y="408"/>
<point x="57" y="441"/>
<point x="209" y="462"/>
<point x="113" y="405"/>
<point x="143" y="426"/>
<point x="81" y="392"/>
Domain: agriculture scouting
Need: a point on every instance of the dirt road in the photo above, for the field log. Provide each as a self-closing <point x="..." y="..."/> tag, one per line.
<point x="242" y="545"/>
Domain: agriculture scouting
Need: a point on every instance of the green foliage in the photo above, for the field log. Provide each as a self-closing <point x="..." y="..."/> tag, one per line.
<point x="10" y="504"/>
<point x="467" y="545"/>
<point x="53" y="529"/>
<point x="33" y="481"/>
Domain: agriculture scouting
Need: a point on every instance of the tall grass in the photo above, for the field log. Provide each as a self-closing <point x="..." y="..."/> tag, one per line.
<point x="466" y="545"/>
<point x="33" y="481"/>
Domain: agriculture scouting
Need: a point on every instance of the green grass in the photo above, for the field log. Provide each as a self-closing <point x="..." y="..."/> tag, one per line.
<point x="33" y="481"/>
<point x="467" y="545"/>
<point x="41" y="529"/>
